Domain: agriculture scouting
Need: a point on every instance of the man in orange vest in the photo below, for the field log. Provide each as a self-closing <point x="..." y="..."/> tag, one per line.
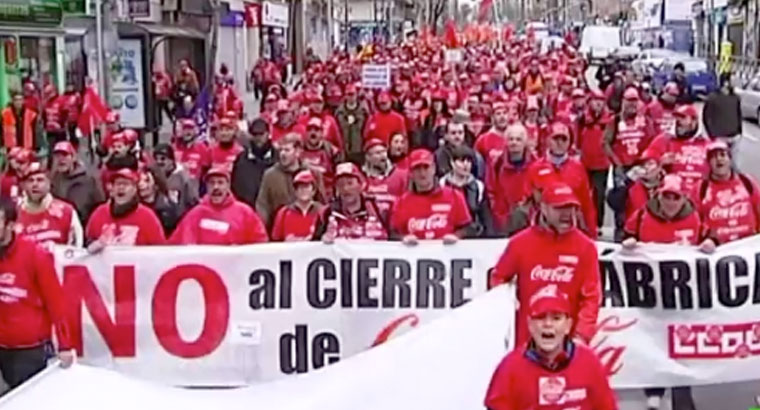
<point x="19" y="124"/>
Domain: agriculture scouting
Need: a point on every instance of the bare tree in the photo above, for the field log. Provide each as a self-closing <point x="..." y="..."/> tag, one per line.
<point x="438" y="8"/>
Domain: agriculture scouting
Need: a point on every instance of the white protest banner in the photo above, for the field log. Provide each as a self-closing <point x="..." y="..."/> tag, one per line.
<point x="443" y="365"/>
<point x="241" y="315"/>
<point x="218" y="315"/>
<point x="376" y="76"/>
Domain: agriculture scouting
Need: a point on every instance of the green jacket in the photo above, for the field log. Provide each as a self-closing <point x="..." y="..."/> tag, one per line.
<point x="351" y="122"/>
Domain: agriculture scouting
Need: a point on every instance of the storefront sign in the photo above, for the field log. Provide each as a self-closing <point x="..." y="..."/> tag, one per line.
<point x="275" y="14"/>
<point x="128" y="83"/>
<point x="31" y="11"/>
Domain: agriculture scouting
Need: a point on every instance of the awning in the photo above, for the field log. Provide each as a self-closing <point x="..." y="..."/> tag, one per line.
<point x="78" y="25"/>
<point x="171" y="31"/>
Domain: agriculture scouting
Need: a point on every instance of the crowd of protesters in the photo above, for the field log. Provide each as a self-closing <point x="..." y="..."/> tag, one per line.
<point x="507" y="142"/>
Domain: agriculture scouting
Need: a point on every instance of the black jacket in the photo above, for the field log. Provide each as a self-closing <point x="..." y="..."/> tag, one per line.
<point x="79" y="189"/>
<point x="475" y="194"/>
<point x="167" y="212"/>
<point x="248" y="170"/>
<point x="443" y="162"/>
<point x="722" y="115"/>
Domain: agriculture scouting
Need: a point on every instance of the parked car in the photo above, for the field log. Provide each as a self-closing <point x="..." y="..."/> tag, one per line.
<point x="597" y="42"/>
<point x="749" y="95"/>
<point x="649" y="60"/>
<point x="700" y="77"/>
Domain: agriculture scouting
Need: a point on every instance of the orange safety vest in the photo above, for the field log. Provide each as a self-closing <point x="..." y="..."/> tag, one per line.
<point x="9" y="128"/>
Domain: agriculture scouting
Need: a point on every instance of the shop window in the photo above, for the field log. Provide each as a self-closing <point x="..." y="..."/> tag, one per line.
<point x="26" y="59"/>
<point x="75" y="62"/>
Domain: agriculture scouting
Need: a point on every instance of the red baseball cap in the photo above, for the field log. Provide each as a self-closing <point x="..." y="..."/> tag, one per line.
<point x="671" y="88"/>
<point x="314" y="122"/>
<point x="631" y="94"/>
<point x="227" y="122"/>
<point x="348" y="169"/>
<point x="124" y="173"/>
<point x="559" y="128"/>
<point x="686" y="110"/>
<point x="559" y="194"/>
<point x="374" y="142"/>
<point x="217" y="171"/>
<point x="351" y="89"/>
<point x="34" y="168"/>
<point x="421" y="156"/>
<point x="672" y="183"/>
<point x="718" y="145"/>
<point x="64" y="147"/>
<point x="303" y="177"/>
<point x="597" y="95"/>
<point x="578" y="93"/>
<point x="383" y="96"/>
<point x="649" y="154"/>
<point x="20" y="154"/>
<point x="548" y="299"/>
<point x="314" y="97"/>
<point x="283" y="105"/>
<point x="187" y="124"/>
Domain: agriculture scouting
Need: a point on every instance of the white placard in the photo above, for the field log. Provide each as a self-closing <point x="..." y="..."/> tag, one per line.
<point x="376" y="76"/>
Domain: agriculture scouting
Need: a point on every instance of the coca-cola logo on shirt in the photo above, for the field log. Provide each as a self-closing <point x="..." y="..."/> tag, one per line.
<point x="691" y="155"/>
<point x="735" y="211"/>
<point x="559" y="273"/>
<point x="432" y="222"/>
<point x="727" y="197"/>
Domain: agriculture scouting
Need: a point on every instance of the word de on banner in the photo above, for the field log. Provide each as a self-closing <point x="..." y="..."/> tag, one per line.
<point x="376" y="76"/>
<point x="669" y="315"/>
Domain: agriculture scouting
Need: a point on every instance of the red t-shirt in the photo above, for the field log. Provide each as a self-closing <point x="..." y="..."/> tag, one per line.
<point x="32" y="300"/>
<point x="506" y="187"/>
<point x="387" y="189"/>
<point x="591" y="141"/>
<point x="631" y="138"/>
<point x="293" y="224"/>
<point x="647" y="227"/>
<point x="431" y="215"/>
<point x="539" y="258"/>
<point x="520" y="383"/>
<point x="51" y="225"/>
<point x="383" y="125"/>
<point x="229" y="223"/>
<point x="730" y="209"/>
<point x="491" y="145"/>
<point x="194" y="158"/>
<point x="139" y="227"/>
<point x="224" y="156"/>
<point x="690" y="162"/>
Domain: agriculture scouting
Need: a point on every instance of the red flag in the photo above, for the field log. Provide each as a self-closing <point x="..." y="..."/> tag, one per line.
<point x="507" y="33"/>
<point x="94" y="111"/>
<point x="484" y="9"/>
<point x="450" y="35"/>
